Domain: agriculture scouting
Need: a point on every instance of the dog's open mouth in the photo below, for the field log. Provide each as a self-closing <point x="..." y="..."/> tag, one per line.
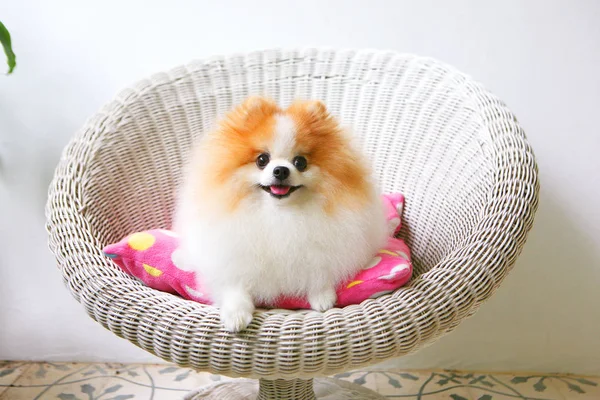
<point x="280" y="191"/>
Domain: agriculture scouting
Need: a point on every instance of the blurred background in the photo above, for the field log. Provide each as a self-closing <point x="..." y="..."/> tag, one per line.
<point x="541" y="57"/>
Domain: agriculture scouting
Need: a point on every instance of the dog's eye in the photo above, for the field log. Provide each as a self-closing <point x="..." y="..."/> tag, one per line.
<point x="262" y="160"/>
<point x="300" y="163"/>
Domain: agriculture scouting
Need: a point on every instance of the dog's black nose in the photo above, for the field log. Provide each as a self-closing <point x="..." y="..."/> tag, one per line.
<point x="281" y="173"/>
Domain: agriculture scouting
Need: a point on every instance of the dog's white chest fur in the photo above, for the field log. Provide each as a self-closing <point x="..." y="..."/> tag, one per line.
<point x="270" y="250"/>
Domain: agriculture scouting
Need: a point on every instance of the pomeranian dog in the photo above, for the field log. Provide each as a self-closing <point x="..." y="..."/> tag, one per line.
<point x="277" y="203"/>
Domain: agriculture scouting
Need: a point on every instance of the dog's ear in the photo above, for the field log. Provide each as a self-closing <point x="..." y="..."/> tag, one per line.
<point x="258" y="105"/>
<point x="251" y="112"/>
<point x="308" y="110"/>
<point x="312" y="117"/>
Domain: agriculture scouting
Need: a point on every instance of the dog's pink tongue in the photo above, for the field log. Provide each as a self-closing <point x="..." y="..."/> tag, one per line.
<point x="280" y="190"/>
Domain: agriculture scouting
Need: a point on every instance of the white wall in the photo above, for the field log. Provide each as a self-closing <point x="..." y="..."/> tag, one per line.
<point x="541" y="57"/>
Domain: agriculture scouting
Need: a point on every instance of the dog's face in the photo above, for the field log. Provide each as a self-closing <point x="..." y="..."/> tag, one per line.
<point x="281" y="165"/>
<point x="287" y="156"/>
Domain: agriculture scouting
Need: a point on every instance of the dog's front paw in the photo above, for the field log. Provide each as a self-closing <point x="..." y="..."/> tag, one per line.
<point x="236" y="315"/>
<point x="322" y="301"/>
<point x="236" y="320"/>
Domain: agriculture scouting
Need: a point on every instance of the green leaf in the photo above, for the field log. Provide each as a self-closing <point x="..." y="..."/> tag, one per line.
<point x="113" y="389"/>
<point x="457" y="397"/>
<point x="6" y="372"/>
<point x="167" y="370"/>
<point x="575" y="388"/>
<point x="183" y="375"/>
<point x="409" y="376"/>
<point x="519" y="379"/>
<point x="394" y="382"/>
<point x="122" y="397"/>
<point x="87" y="389"/>
<point x="586" y="382"/>
<point x="90" y="372"/>
<point x="11" y="58"/>
<point x="485" y="397"/>
<point x="67" y="396"/>
<point x="539" y="386"/>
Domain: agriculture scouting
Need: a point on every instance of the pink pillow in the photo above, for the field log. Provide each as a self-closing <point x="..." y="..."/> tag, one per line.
<point x="152" y="257"/>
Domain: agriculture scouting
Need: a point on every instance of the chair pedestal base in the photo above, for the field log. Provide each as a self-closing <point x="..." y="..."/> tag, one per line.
<point x="295" y="389"/>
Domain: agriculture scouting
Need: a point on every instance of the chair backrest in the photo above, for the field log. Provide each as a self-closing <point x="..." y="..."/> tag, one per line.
<point x="423" y="124"/>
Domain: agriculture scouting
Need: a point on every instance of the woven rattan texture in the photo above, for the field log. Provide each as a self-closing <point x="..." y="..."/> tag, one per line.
<point x="454" y="150"/>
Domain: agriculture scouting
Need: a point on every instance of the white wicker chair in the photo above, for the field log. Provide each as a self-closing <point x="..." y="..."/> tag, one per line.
<point x="454" y="150"/>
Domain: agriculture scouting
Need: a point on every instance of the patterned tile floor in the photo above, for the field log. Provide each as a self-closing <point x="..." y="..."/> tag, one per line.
<point x="69" y="381"/>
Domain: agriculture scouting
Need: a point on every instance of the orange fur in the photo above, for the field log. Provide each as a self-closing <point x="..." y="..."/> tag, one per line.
<point x="320" y="139"/>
